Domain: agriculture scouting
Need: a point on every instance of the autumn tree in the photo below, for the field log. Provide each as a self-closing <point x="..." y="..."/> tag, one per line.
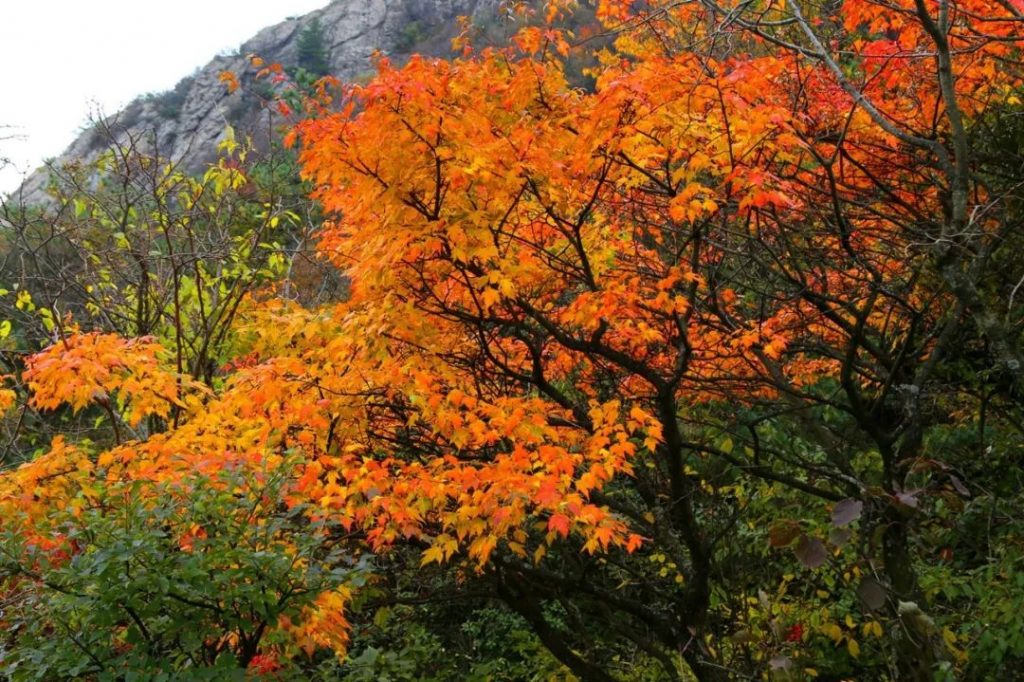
<point x="712" y="369"/>
<point x="757" y="228"/>
<point x="133" y="244"/>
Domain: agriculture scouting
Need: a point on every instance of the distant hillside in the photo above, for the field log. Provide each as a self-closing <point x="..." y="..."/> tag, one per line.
<point x="185" y="123"/>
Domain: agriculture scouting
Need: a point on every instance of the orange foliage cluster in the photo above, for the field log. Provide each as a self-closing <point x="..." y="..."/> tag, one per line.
<point x="509" y="240"/>
<point x="86" y="369"/>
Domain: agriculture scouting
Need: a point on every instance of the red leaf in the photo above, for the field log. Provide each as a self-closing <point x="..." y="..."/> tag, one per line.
<point x="559" y="523"/>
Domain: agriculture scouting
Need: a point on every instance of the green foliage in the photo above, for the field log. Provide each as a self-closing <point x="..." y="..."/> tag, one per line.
<point x="151" y="250"/>
<point x="313" y="55"/>
<point x="411" y="34"/>
<point x="139" y="594"/>
<point x="481" y="643"/>
<point x="168" y="104"/>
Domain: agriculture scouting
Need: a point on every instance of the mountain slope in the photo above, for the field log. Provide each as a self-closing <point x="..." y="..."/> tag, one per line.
<point x="185" y="123"/>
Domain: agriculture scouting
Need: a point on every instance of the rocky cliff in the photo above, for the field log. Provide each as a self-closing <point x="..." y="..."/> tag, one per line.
<point x="185" y="123"/>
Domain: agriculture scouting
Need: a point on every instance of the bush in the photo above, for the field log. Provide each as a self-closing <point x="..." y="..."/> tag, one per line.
<point x="198" y="579"/>
<point x="169" y="104"/>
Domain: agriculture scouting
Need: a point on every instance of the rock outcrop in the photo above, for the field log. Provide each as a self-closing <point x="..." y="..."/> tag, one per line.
<point x="184" y="124"/>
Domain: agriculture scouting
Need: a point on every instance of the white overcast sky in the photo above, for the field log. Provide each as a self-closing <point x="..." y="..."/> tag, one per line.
<point x="66" y="58"/>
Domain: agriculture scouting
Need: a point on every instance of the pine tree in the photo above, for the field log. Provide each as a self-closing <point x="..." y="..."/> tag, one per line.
<point x="313" y="50"/>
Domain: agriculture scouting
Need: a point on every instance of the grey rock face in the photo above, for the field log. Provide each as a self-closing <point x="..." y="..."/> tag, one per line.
<point x="186" y="123"/>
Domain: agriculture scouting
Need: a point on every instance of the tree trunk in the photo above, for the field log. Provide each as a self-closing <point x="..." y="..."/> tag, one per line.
<point x="917" y="650"/>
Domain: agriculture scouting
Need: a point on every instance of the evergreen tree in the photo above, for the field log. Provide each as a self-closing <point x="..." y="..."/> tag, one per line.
<point x="313" y="50"/>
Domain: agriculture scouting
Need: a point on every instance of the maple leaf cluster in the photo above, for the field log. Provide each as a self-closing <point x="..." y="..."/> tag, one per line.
<point x="564" y="302"/>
